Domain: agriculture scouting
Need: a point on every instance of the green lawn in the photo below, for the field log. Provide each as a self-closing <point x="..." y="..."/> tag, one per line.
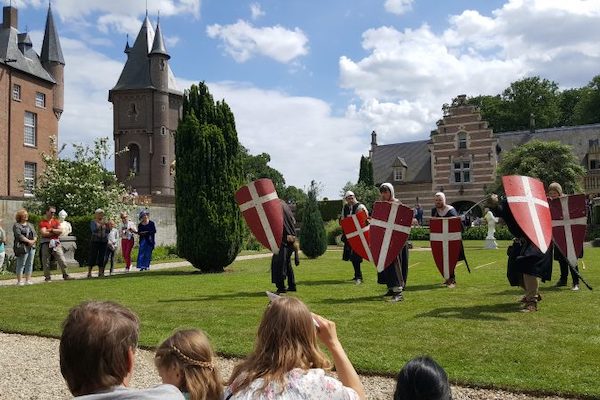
<point x="475" y="330"/>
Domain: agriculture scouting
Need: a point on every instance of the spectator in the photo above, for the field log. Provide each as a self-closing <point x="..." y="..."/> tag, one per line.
<point x="2" y="245"/>
<point x="24" y="246"/>
<point x="186" y="360"/>
<point x="146" y="230"/>
<point x="98" y="243"/>
<point x="422" y="379"/>
<point x="97" y="354"/>
<point x="50" y="246"/>
<point x="419" y="213"/>
<point x="287" y="361"/>
<point x="111" y="245"/>
<point x="128" y="228"/>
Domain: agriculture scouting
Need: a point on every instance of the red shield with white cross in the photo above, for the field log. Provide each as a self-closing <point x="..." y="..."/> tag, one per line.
<point x="527" y="201"/>
<point x="569" y="220"/>
<point x="390" y="227"/>
<point x="260" y="206"/>
<point x="446" y="240"/>
<point x="357" y="231"/>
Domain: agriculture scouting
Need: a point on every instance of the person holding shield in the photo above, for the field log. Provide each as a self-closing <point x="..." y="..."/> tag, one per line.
<point x="443" y="210"/>
<point x="281" y="263"/>
<point x="352" y="207"/>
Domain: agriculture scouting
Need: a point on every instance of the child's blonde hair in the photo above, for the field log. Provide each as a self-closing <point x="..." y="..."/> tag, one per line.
<point x="190" y="351"/>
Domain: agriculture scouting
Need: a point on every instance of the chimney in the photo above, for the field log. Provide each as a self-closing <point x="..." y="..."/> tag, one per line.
<point x="10" y="17"/>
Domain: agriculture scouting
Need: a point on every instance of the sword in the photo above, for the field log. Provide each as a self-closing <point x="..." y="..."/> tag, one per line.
<point x="478" y="203"/>
<point x="576" y="272"/>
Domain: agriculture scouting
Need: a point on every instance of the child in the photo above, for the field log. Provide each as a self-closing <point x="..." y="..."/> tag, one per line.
<point x="113" y="235"/>
<point x="186" y="360"/>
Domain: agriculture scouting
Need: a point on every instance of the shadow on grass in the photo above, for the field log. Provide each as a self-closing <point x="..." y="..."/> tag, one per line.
<point x="481" y="312"/>
<point x="378" y="299"/>
<point x="324" y="282"/>
<point x="150" y="274"/>
<point x="420" y="288"/>
<point x="227" y="296"/>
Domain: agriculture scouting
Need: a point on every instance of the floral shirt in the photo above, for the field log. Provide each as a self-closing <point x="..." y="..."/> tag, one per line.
<point x="300" y="385"/>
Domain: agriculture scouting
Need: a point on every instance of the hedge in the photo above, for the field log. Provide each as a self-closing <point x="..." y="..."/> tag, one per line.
<point x="330" y="209"/>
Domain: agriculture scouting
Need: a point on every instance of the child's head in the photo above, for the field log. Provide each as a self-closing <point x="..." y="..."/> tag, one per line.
<point x="186" y="360"/>
<point x="422" y="379"/>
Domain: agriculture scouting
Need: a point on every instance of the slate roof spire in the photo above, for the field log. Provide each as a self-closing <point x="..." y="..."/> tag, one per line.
<point x="51" y="49"/>
<point x="158" y="47"/>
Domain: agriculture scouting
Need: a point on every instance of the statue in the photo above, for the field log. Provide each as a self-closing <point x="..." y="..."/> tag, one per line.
<point x="65" y="226"/>
<point x="490" y="240"/>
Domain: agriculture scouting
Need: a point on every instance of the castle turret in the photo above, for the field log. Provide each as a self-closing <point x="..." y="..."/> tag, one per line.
<point x="53" y="61"/>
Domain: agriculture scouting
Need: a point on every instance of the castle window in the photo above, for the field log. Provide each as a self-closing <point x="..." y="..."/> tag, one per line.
<point x="462" y="171"/>
<point x="164" y="160"/>
<point x="163" y="130"/>
<point x="398" y="174"/>
<point x="462" y="140"/>
<point x="134" y="158"/>
<point x="16" y="92"/>
<point x="162" y="64"/>
<point x="30" y="132"/>
<point x="29" y="176"/>
<point x="40" y="100"/>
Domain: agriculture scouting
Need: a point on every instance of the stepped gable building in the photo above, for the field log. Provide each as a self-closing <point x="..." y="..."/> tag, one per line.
<point x="462" y="154"/>
<point x="31" y="102"/>
<point x="147" y="107"/>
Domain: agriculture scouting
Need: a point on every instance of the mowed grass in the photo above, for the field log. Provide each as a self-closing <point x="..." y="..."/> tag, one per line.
<point x="475" y="330"/>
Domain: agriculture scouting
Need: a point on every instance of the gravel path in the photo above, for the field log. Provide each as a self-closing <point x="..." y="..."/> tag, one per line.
<point x="30" y="371"/>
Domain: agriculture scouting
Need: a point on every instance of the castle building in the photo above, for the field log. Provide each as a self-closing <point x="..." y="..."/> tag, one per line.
<point x="462" y="154"/>
<point x="31" y="102"/>
<point x="147" y="107"/>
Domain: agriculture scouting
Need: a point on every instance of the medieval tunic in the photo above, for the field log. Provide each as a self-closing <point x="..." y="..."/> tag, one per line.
<point x="523" y="256"/>
<point x="349" y="254"/>
<point x="281" y="265"/>
<point x="449" y="212"/>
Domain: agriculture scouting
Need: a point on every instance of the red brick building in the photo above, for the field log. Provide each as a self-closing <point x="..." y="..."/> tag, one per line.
<point x="31" y="102"/>
<point x="462" y="154"/>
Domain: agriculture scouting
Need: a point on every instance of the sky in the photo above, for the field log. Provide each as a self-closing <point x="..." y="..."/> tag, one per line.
<point x="308" y="80"/>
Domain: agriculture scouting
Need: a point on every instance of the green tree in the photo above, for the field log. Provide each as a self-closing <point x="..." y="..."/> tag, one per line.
<point x="366" y="194"/>
<point x="80" y="184"/>
<point x="494" y="111"/>
<point x="535" y="96"/>
<point x="209" y="227"/>
<point x="365" y="174"/>
<point x="313" y="240"/>
<point x="568" y="103"/>
<point x="257" y="166"/>
<point x="586" y="110"/>
<point x="547" y="161"/>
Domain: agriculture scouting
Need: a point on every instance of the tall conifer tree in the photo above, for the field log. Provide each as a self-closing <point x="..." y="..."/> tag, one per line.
<point x="209" y="227"/>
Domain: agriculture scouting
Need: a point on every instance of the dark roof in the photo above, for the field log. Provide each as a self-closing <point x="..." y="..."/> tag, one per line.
<point x="136" y="72"/>
<point x="158" y="47"/>
<point x="576" y="136"/>
<point x="415" y="155"/>
<point x="51" y="50"/>
<point x="28" y="62"/>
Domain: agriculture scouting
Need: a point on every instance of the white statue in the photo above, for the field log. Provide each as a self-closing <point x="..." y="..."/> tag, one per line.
<point x="490" y="240"/>
<point x="65" y="226"/>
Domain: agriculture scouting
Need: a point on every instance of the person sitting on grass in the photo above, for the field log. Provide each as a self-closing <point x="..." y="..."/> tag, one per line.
<point x="287" y="362"/>
<point x="422" y="379"/>
<point x="97" y="354"/>
<point x="186" y="360"/>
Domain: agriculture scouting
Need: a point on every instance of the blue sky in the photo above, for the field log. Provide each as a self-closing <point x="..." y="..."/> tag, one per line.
<point x="309" y="80"/>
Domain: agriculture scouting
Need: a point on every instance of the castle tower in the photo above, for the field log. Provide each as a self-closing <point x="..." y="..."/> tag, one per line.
<point x="53" y="62"/>
<point x="147" y="107"/>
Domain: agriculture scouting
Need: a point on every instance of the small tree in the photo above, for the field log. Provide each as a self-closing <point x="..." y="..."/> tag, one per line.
<point x="79" y="185"/>
<point x="313" y="240"/>
<point x="365" y="175"/>
<point x="547" y="161"/>
<point x="209" y="227"/>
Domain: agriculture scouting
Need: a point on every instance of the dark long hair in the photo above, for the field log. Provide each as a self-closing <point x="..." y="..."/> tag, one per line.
<point x="422" y="379"/>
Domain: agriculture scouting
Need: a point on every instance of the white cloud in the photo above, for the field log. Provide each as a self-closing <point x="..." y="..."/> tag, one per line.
<point x="119" y="23"/>
<point x="172" y="41"/>
<point x="407" y="75"/>
<point x="76" y="9"/>
<point x="398" y="6"/>
<point x="256" y="11"/>
<point x="243" y="41"/>
<point x="305" y="140"/>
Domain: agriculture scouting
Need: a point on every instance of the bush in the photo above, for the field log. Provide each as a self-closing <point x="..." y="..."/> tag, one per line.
<point x="419" y="233"/>
<point x="81" y="230"/>
<point x="333" y="230"/>
<point x="313" y="241"/>
<point x="592" y="232"/>
<point x="330" y="209"/>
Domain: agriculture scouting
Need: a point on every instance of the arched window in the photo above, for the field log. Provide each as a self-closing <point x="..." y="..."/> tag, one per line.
<point x="462" y="140"/>
<point x="134" y="158"/>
